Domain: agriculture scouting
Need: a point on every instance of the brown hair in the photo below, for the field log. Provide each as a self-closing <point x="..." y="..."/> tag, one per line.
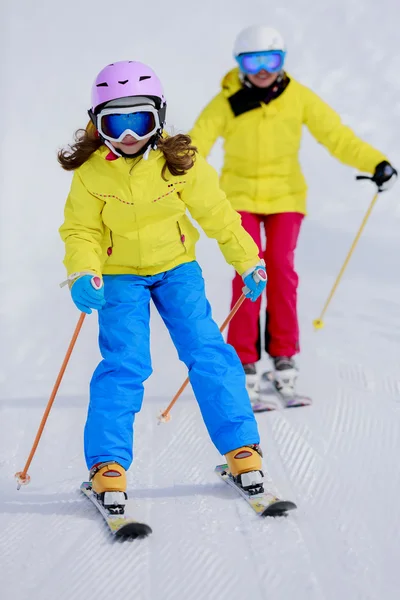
<point x="178" y="150"/>
<point x="179" y="154"/>
<point x="87" y="141"/>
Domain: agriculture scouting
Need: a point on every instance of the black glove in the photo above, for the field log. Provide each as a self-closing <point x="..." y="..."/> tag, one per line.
<point x="384" y="172"/>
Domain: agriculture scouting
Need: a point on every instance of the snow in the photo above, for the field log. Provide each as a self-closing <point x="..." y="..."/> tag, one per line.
<point x="338" y="460"/>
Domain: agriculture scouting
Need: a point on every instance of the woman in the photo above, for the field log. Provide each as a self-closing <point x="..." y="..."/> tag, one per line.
<point x="259" y="113"/>
<point x="128" y="240"/>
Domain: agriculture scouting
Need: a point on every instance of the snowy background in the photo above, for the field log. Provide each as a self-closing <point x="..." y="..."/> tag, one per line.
<point x="338" y="459"/>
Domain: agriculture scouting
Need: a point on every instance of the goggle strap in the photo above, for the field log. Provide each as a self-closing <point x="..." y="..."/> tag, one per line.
<point x="92" y="117"/>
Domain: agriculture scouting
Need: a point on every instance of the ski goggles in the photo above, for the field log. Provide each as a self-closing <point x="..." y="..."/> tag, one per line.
<point x="141" y="122"/>
<point x="253" y="62"/>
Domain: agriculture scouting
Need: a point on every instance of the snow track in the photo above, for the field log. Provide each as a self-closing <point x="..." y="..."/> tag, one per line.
<point x="337" y="459"/>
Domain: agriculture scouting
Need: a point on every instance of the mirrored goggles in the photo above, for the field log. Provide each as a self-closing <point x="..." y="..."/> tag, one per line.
<point x="141" y="122"/>
<point x="253" y="62"/>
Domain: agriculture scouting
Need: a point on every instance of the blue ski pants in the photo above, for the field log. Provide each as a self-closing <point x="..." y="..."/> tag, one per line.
<point x="116" y="389"/>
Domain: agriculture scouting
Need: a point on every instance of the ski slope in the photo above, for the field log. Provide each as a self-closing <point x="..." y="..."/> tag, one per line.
<point x="338" y="460"/>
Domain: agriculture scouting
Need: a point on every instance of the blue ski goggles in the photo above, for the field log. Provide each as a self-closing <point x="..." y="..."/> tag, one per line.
<point x="141" y="122"/>
<point x="251" y="63"/>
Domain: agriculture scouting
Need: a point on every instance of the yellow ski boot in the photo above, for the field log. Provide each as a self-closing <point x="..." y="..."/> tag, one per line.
<point x="245" y="467"/>
<point x="109" y="484"/>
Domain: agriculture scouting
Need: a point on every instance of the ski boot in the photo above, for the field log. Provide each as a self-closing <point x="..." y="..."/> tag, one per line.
<point x="245" y="467"/>
<point x="109" y="484"/>
<point x="252" y="382"/>
<point x="285" y="376"/>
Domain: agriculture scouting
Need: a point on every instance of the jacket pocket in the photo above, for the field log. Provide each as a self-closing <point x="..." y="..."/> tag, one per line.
<point x="123" y="252"/>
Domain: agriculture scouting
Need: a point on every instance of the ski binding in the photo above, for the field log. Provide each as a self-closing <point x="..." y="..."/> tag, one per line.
<point x="120" y="524"/>
<point x="264" y="504"/>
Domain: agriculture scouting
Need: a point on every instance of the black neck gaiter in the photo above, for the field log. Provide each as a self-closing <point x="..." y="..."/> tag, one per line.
<point x="250" y="97"/>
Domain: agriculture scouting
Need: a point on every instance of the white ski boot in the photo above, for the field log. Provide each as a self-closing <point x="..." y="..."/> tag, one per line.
<point x="259" y="402"/>
<point x="285" y="376"/>
<point x="252" y="382"/>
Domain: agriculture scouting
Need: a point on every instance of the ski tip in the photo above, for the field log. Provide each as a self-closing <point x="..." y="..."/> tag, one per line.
<point x="262" y="409"/>
<point x="278" y="508"/>
<point x="134" y="531"/>
<point x="297" y="402"/>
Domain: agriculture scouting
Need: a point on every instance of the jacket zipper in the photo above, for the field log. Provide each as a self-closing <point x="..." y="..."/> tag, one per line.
<point x="110" y="247"/>
<point x="182" y="236"/>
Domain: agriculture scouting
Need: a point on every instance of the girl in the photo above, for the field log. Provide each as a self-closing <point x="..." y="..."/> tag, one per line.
<point x="128" y="240"/>
<point x="260" y="113"/>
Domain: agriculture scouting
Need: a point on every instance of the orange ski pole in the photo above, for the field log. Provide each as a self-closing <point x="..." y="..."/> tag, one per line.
<point x="165" y="416"/>
<point x="22" y="476"/>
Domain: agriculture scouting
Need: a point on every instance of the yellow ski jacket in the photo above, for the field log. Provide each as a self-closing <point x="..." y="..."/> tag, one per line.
<point x="261" y="172"/>
<point x="122" y="217"/>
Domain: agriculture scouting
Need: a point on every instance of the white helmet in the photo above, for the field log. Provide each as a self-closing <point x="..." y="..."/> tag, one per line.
<point x="258" y="38"/>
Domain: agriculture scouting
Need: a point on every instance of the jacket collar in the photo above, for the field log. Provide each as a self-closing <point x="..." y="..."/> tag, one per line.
<point x="111" y="156"/>
<point x="107" y="155"/>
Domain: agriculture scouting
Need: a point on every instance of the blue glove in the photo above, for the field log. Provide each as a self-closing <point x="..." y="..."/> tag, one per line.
<point x="255" y="280"/>
<point x="88" y="292"/>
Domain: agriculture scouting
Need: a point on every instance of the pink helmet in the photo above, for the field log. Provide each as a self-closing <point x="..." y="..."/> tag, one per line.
<point x="124" y="79"/>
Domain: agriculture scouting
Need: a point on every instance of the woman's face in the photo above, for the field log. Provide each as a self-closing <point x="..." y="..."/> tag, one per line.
<point x="263" y="78"/>
<point x="130" y="145"/>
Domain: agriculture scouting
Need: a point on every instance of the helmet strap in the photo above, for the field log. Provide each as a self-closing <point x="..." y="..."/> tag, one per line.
<point x="150" y="145"/>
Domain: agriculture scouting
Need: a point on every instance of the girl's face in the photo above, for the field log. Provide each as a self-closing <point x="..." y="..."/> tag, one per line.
<point x="130" y="145"/>
<point x="263" y="78"/>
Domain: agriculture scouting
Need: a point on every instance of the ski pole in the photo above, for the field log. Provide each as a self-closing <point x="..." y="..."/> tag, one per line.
<point x="165" y="416"/>
<point x="22" y="477"/>
<point x="319" y="323"/>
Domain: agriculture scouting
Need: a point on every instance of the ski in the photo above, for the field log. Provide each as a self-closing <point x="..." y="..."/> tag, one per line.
<point x="265" y="504"/>
<point x="121" y="525"/>
<point x="264" y="404"/>
<point x="285" y="401"/>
